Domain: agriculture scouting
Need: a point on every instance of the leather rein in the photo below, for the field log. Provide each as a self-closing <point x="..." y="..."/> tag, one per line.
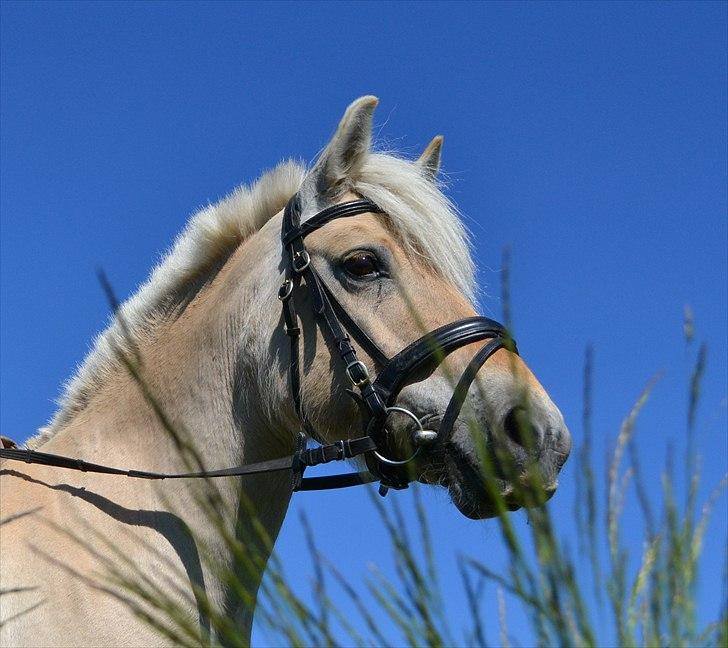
<point x="376" y="397"/>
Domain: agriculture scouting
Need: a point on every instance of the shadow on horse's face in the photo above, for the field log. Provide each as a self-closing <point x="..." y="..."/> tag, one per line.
<point x="508" y="442"/>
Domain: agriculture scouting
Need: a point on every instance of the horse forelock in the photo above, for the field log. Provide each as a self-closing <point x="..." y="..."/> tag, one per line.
<point x="416" y="210"/>
<point x="420" y="214"/>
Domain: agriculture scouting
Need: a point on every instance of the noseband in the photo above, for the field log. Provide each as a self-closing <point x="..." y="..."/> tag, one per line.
<point x="377" y="398"/>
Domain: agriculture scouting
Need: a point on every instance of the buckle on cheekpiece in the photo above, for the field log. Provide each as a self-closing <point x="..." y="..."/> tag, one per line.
<point x="303" y="257"/>
<point x="358" y="373"/>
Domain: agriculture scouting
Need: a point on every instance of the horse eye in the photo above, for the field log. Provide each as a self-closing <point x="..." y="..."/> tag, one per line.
<point x="362" y="264"/>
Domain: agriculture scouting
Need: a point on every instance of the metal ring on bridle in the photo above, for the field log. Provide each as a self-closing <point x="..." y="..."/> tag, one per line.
<point x="393" y="462"/>
<point x="285" y="290"/>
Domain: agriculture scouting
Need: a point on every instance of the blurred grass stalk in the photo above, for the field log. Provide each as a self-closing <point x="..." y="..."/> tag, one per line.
<point x="652" y="597"/>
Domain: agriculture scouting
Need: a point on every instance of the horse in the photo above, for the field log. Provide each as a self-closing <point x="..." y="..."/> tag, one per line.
<point x="201" y="368"/>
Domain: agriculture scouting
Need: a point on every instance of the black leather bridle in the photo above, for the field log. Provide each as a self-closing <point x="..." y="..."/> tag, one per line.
<point x="377" y="398"/>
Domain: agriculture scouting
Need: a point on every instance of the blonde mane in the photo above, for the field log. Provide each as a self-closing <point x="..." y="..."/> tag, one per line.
<point x="418" y="212"/>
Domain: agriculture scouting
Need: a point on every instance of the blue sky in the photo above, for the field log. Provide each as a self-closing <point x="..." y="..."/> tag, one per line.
<point x="591" y="138"/>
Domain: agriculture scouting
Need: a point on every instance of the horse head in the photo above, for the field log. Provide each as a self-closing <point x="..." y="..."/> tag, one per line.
<point x="392" y="270"/>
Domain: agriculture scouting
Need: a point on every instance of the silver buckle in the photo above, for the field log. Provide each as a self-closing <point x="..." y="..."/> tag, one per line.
<point x="303" y="254"/>
<point x="364" y="381"/>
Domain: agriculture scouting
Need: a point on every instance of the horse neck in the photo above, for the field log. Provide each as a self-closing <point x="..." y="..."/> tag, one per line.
<point x="198" y="371"/>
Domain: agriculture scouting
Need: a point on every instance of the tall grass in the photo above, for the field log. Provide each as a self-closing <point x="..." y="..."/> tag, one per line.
<point x="650" y="597"/>
<point x="590" y="592"/>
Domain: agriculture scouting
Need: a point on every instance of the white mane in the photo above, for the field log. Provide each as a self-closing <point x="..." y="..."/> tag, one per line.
<point x="419" y="214"/>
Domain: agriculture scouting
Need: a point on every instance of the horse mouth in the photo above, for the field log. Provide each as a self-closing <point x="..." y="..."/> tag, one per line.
<point x="512" y="483"/>
<point x="479" y="499"/>
<point x="475" y="496"/>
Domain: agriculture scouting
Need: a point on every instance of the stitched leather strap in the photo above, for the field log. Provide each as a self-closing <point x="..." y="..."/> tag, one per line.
<point x="461" y="389"/>
<point x="423" y="356"/>
<point x="342" y="210"/>
<point x="337" y="481"/>
<point x="361" y="338"/>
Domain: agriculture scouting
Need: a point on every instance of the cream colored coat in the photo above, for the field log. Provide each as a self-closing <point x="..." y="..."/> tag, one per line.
<point x="206" y="338"/>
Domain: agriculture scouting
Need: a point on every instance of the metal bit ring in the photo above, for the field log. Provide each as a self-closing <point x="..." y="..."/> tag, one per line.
<point x="394" y="462"/>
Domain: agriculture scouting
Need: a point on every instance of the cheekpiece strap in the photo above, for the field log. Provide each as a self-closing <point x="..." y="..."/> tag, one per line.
<point x="298" y="267"/>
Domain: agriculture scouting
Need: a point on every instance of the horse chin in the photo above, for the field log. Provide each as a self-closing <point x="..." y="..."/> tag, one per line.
<point x="467" y="488"/>
<point x="462" y="477"/>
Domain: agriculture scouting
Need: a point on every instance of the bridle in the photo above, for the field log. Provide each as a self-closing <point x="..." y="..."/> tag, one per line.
<point x="376" y="397"/>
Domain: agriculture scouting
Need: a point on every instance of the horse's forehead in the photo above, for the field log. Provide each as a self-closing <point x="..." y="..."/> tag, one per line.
<point x="344" y="233"/>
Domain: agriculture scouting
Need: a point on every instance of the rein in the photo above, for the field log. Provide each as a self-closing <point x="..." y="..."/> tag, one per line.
<point x="376" y="398"/>
<point x="297" y="462"/>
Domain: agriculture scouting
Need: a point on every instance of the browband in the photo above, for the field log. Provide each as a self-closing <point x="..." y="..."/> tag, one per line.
<point x="294" y="229"/>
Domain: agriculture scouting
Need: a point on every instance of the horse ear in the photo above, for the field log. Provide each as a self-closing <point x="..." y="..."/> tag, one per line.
<point x="430" y="158"/>
<point x="344" y="155"/>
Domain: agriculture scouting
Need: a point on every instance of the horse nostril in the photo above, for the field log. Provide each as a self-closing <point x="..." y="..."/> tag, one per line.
<point x="517" y="425"/>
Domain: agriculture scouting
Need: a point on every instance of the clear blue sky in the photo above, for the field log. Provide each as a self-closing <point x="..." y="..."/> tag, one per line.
<point x="589" y="137"/>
